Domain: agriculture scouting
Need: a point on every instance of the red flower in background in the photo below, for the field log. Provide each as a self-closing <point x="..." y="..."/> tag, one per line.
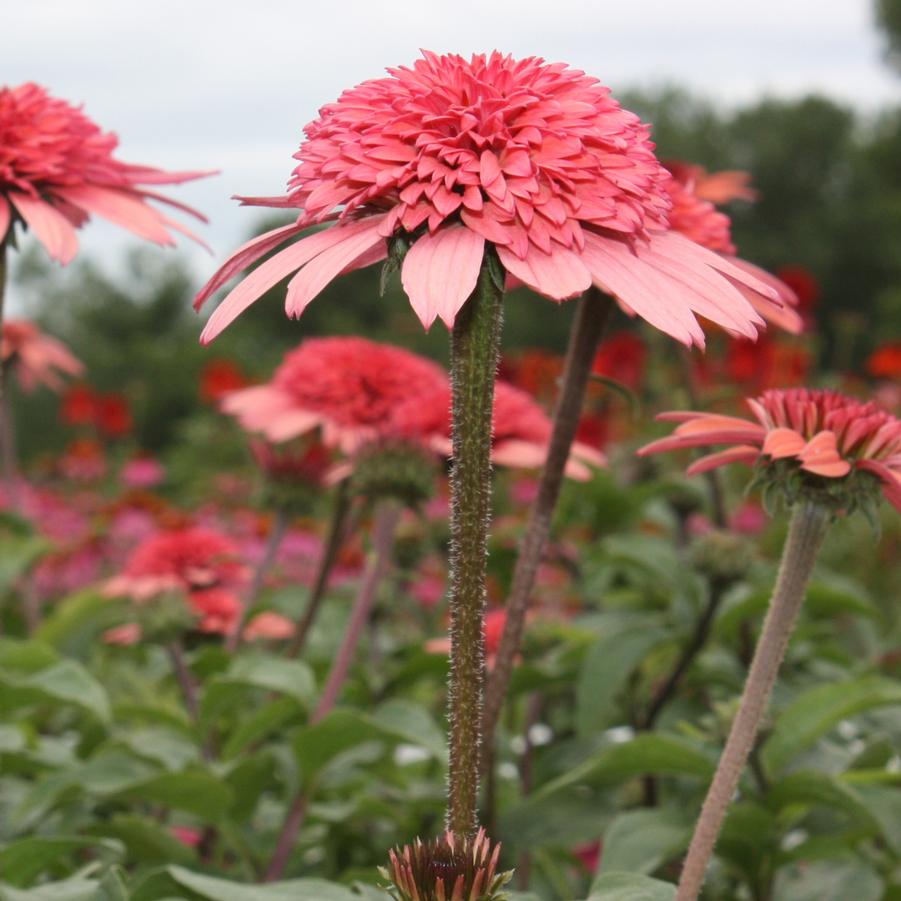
<point x="804" y="284"/>
<point x="218" y="378"/>
<point x="535" y="371"/>
<point x="78" y="406"/>
<point x="112" y="415"/>
<point x="885" y="361"/>
<point x="766" y="363"/>
<point x="622" y="357"/>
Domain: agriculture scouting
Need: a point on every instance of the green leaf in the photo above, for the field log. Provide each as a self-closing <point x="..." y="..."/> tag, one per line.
<point x="23" y="861"/>
<point x="318" y="746"/>
<point x="290" y="890"/>
<point x="194" y="792"/>
<point x="829" y="881"/>
<point x="66" y="682"/>
<point x="25" y="656"/>
<point x="146" y="842"/>
<point x="227" y="692"/>
<point x="270" y="718"/>
<point x="76" y="889"/>
<point x="607" y="667"/>
<point x="171" y="749"/>
<point x="614" y="886"/>
<point x="413" y="724"/>
<point x="72" y="623"/>
<point x="639" y="841"/>
<point x="809" y="788"/>
<point x="818" y="710"/>
<point x="20" y="552"/>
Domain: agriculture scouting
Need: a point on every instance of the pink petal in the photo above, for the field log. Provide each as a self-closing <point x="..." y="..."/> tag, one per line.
<point x="891" y="480"/>
<point x="5" y="218"/>
<point x="244" y="256"/>
<point x="559" y="274"/>
<point x="440" y="272"/>
<point x="275" y="269"/>
<point x="616" y="269"/>
<point x="50" y="227"/>
<point x="783" y="442"/>
<point x="820" y="456"/>
<point x="122" y="208"/>
<point x="329" y="264"/>
<point x="741" y="453"/>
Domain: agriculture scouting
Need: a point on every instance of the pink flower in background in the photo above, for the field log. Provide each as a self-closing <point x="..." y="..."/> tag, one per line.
<point x="83" y="460"/>
<point x="269" y="626"/>
<point x="715" y="187"/>
<point x="192" y="559"/>
<point x="826" y="433"/>
<point x="305" y="461"/>
<point x="694" y="216"/>
<point x="57" y="167"/>
<point x="349" y="388"/>
<point x="143" y="472"/>
<point x="36" y="358"/>
<point x="125" y="635"/>
<point x="535" y="159"/>
<point x="520" y="436"/>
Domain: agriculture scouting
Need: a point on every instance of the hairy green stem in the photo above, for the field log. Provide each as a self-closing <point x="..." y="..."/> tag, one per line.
<point x="590" y="322"/>
<point x="339" y="529"/>
<point x="475" y="345"/>
<point x="808" y="528"/>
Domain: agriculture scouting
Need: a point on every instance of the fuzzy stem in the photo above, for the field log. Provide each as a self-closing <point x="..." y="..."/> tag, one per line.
<point x="184" y="678"/>
<point x="273" y="542"/>
<point x="339" y="529"/>
<point x="387" y="516"/>
<point x="806" y="533"/>
<point x="590" y="322"/>
<point x="475" y="345"/>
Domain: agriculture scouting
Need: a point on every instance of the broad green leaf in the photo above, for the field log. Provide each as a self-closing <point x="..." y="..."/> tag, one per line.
<point x="194" y="792"/>
<point x="76" y="889"/>
<point x="21" y="862"/>
<point x="76" y="620"/>
<point x="829" y="881"/>
<point x="291" y="890"/>
<point x="606" y="668"/>
<point x="145" y="840"/>
<point x="25" y="656"/>
<point x="413" y="724"/>
<point x="615" y="886"/>
<point x="65" y="682"/>
<point x="317" y="746"/>
<point x="810" y="788"/>
<point x="639" y="841"/>
<point x="171" y="749"/>
<point x="818" y="710"/>
<point x="260" y="724"/>
<point x="20" y="552"/>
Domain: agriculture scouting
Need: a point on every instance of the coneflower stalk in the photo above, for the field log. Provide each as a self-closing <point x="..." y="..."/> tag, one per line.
<point x="475" y="344"/>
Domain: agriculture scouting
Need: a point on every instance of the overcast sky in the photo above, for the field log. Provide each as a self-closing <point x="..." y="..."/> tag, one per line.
<point x="229" y="85"/>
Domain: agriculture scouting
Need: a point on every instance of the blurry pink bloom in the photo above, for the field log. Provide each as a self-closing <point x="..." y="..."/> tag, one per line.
<point x="589" y="855"/>
<point x="349" y="388"/>
<point x="521" y="430"/>
<point x="534" y="159"/>
<point x="190" y="559"/>
<point x="83" y="460"/>
<point x="826" y="433"/>
<point x="748" y="519"/>
<point x="218" y="608"/>
<point x="305" y="462"/>
<point x="186" y="835"/>
<point x="269" y="626"/>
<point x="57" y="167"/>
<point x="143" y="472"/>
<point x="68" y="568"/>
<point x="524" y="490"/>
<point x="125" y="635"/>
<point x="694" y="216"/>
<point x="717" y="187"/>
<point x="35" y="358"/>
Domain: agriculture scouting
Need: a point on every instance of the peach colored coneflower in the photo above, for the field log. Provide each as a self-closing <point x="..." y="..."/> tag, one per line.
<point x="349" y="388"/>
<point x="824" y="433"/>
<point x="36" y="358"/>
<point x="694" y="215"/>
<point x="521" y="430"/>
<point x="452" y="155"/>
<point x="57" y="168"/>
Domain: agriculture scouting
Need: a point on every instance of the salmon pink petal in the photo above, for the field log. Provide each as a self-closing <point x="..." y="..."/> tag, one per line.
<point x="521" y="454"/>
<point x="50" y="227"/>
<point x="440" y="272"/>
<point x="821" y="457"/>
<point x="270" y="273"/>
<point x="780" y="312"/>
<point x="326" y="266"/>
<point x="559" y="274"/>
<point x="5" y="218"/>
<point x="122" y="208"/>
<point x="783" y="442"/>
<point x="741" y="453"/>
<point x="891" y="480"/>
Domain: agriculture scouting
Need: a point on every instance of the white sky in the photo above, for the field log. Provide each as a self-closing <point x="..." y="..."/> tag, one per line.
<point x="229" y="85"/>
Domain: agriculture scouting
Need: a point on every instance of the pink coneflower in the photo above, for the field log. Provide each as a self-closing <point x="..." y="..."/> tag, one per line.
<point x="192" y="559"/>
<point x="694" y="216"/>
<point x="57" y="167"/>
<point x="533" y="159"/>
<point x="269" y="626"/>
<point x="83" y="460"/>
<point x="520" y="436"/>
<point x="142" y="472"/>
<point x="36" y="358"/>
<point x="349" y="388"/>
<point x="824" y="433"/>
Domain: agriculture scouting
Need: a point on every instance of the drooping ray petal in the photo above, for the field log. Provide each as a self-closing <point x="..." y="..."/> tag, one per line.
<point x="324" y="267"/>
<point x="741" y="453"/>
<point x="50" y="226"/>
<point x="270" y="273"/>
<point x="782" y="442"/>
<point x="122" y="209"/>
<point x="820" y="456"/>
<point x="5" y="218"/>
<point x="440" y="272"/>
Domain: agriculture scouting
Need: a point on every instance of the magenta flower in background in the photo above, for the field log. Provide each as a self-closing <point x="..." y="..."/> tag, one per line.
<point x="143" y="472"/>
<point x="36" y="358"/>
<point x="57" y="167"/>
<point x="535" y="159"/>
